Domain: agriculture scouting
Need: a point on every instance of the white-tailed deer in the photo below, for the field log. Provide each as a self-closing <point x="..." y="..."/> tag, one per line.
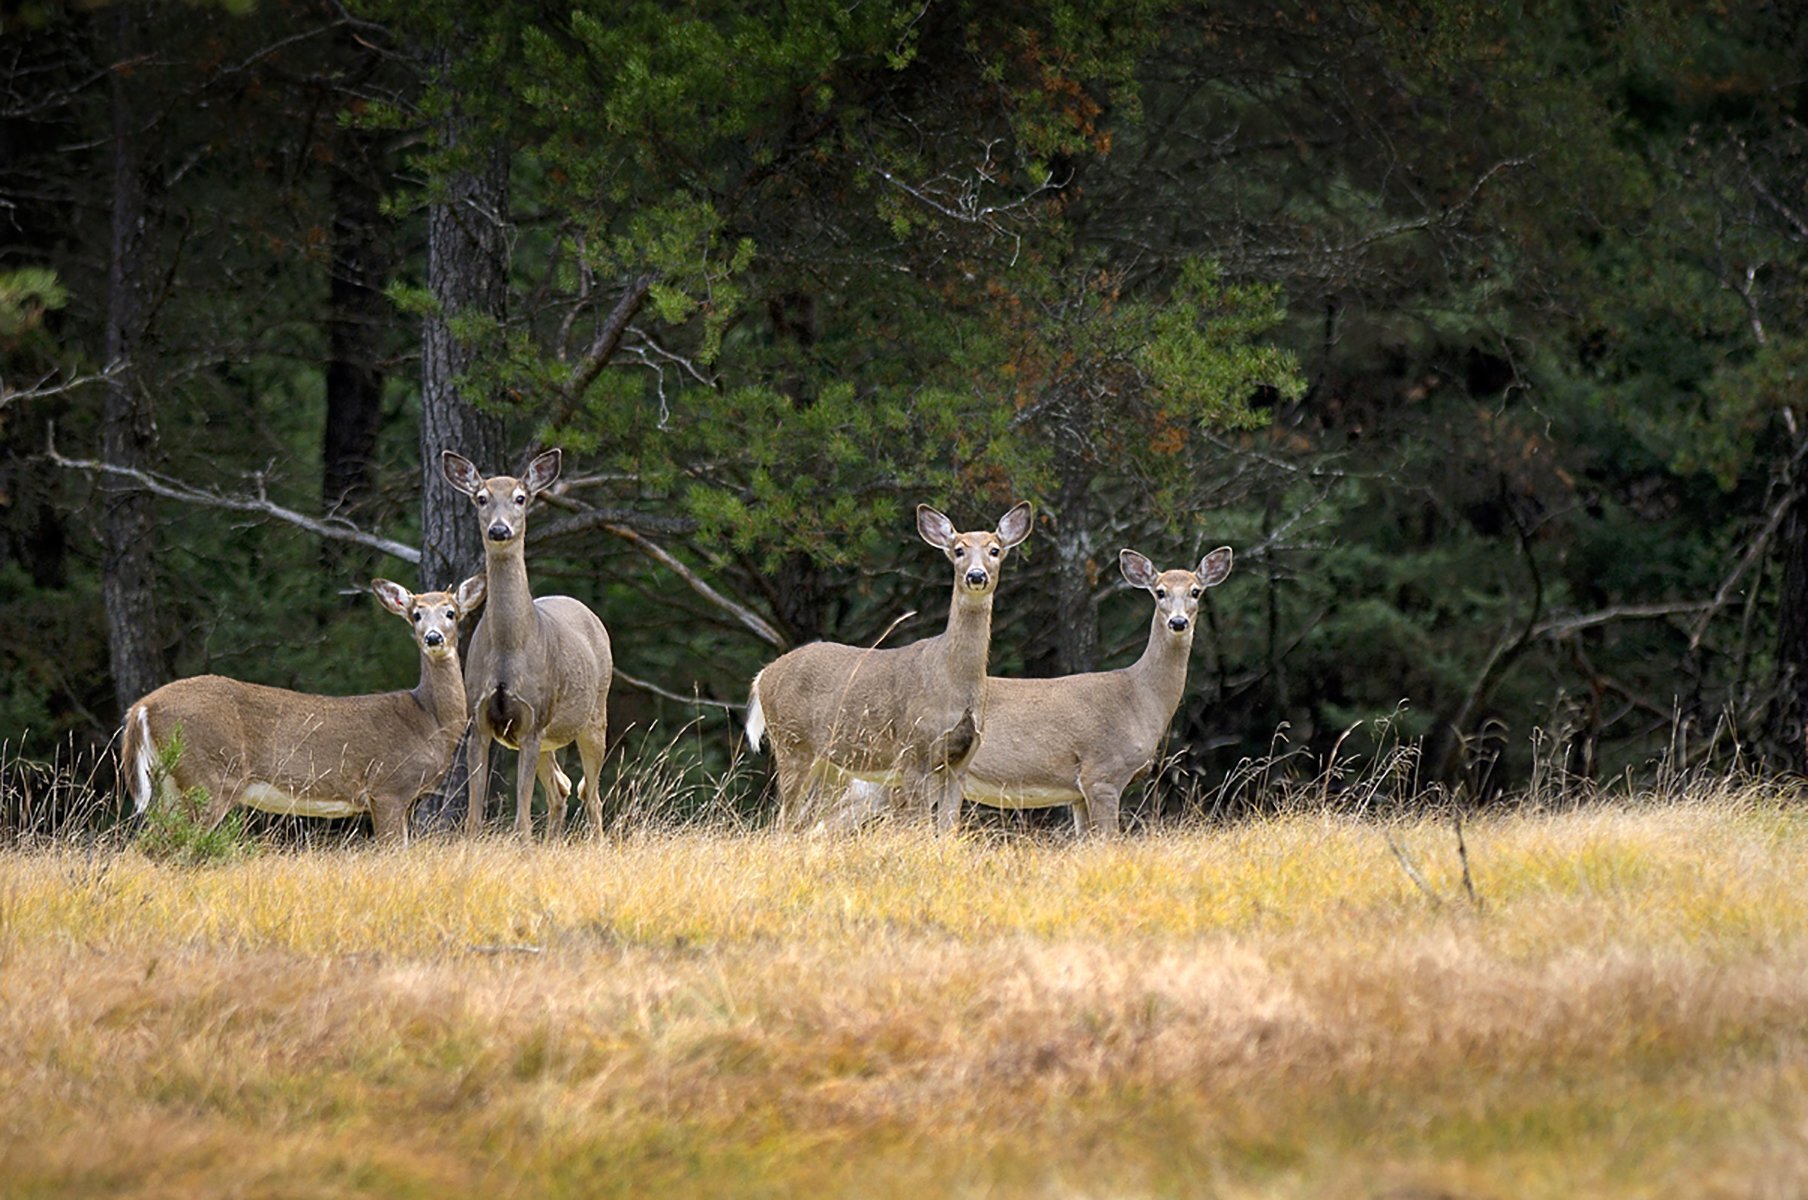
<point x="539" y="670"/>
<point x="312" y="756"/>
<point x="1080" y="739"/>
<point x="910" y="715"/>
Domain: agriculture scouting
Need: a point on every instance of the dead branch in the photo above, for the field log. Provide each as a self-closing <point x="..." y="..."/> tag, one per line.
<point x="746" y="616"/>
<point x="653" y="688"/>
<point x="1562" y="627"/>
<point x="49" y="385"/>
<point x="602" y="348"/>
<point x="333" y="528"/>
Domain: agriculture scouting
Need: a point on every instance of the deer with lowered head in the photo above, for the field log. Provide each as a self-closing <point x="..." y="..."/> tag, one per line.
<point x="540" y="667"/>
<point x="1080" y="740"/>
<point x="910" y="715"/>
<point x="314" y="756"/>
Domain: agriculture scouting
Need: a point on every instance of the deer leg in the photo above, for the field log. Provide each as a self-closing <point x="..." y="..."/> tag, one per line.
<point x="1102" y="807"/>
<point x="793" y="776"/>
<point x="525" y="769"/>
<point x="558" y="792"/>
<point x="945" y="791"/>
<point x="389" y="820"/>
<point x="591" y="749"/>
<point x="214" y="810"/>
<point x="477" y="766"/>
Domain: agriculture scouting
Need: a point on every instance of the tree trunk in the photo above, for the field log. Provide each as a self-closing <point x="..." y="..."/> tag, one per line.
<point x="1076" y="571"/>
<point x="467" y="271"/>
<point x="135" y="644"/>
<point x="1790" y="726"/>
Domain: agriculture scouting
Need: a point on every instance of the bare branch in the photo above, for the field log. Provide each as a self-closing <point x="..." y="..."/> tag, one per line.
<point x="601" y="518"/>
<point x="746" y="616"/>
<point x="333" y="528"/>
<point x="49" y="385"/>
<point x="655" y="689"/>
<point x="1560" y="627"/>
<point x="1760" y="545"/>
<point x="602" y="348"/>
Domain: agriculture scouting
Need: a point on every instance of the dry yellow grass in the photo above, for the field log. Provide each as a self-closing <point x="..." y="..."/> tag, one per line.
<point x="1266" y="1009"/>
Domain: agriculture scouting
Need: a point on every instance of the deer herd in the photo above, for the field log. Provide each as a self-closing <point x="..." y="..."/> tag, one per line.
<point x="854" y="731"/>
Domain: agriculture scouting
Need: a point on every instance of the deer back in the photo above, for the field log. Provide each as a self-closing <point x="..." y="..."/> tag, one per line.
<point x="327" y="749"/>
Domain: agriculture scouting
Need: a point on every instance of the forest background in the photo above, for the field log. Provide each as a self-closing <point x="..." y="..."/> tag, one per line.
<point x="1474" y="328"/>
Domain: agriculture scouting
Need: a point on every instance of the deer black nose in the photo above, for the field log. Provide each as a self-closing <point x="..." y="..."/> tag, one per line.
<point x="1177" y="624"/>
<point x="434" y="637"/>
<point x="499" y="532"/>
<point x="976" y="578"/>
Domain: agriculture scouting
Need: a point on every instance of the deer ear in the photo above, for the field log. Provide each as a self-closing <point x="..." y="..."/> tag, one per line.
<point x="393" y="596"/>
<point x="935" y="528"/>
<point x="460" y="472"/>
<point x="543" y="470"/>
<point x="1214" y="567"/>
<point x="471" y="594"/>
<point x="1138" y="571"/>
<point x="1015" y="525"/>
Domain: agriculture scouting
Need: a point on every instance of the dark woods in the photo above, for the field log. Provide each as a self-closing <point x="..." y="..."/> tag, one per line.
<point x="1477" y="332"/>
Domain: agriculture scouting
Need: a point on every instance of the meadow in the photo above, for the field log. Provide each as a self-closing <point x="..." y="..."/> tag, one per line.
<point x="1606" y="999"/>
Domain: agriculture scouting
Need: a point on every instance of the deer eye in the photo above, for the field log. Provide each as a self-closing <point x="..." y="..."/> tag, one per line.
<point x="415" y="616"/>
<point x="1195" y="593"/>
<point x="520" y="497"/>
<point x="1161" y="593"/>
<point x="960" y="552"/>
<point x="993" y="551"/>
<point x="451" y="614"/>
<point x="482" y="498"/>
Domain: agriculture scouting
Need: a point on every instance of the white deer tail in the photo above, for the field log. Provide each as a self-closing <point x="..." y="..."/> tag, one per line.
<point x="756" y="716"/>
<point x="137" y="753"/>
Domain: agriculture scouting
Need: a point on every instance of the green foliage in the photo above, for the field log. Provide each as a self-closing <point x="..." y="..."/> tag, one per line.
<point x="1459" y="321"/>
<point x="26" y="295"/>
<point x="176" y="831"/>
<point x="173" y="833"/>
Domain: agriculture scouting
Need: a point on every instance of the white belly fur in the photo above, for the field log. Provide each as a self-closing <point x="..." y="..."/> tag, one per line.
<point x="275" y="800"/>
<point x="1008" y="795"/>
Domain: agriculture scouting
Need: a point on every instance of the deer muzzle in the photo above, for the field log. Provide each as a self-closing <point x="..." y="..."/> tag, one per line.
<point x="977" y="578"/>
<point x="1177" y="624"/>
<point x="500" y="532"/>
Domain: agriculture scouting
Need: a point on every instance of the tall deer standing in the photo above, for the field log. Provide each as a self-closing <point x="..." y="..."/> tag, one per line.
<point x="540" y="668"/>
<point x="910" y="714"/>
<point x="1081" y="739"/>
<point x="313" y="756"/>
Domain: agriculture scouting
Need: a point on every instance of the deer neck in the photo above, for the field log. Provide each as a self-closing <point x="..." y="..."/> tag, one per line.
<point x="1161" y="671"/>
<point x="509" y="609"/>
<point x="441" y="691"/>
<point x="968" y="640"/>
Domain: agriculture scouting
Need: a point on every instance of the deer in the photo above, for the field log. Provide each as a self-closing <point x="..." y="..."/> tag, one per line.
<point x="314" y="756"/>
<point x="540" y="667"/>
<point x="908" y="715"/>
<point x="1080" y="740"/>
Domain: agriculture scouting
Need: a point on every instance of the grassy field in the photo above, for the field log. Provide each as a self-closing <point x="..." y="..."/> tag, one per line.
<point x="1302" y="1005"/>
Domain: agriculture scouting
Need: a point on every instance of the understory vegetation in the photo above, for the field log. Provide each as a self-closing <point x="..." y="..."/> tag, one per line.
<point x="1598" y="994"/>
